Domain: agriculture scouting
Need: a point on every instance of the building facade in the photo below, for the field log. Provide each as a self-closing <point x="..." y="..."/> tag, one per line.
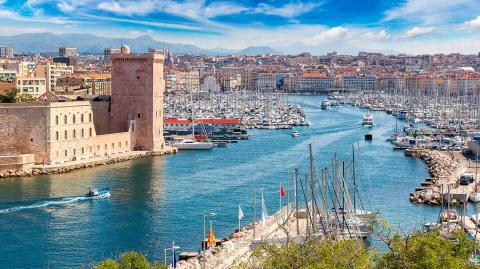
<point x="137" y="95"/>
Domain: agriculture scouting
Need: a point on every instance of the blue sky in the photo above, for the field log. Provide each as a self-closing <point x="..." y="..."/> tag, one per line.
<point x="411" y="26"/>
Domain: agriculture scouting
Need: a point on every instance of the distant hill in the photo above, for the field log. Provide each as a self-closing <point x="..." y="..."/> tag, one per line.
<point x="88" y="43"/>
<point x="258" y="50"/>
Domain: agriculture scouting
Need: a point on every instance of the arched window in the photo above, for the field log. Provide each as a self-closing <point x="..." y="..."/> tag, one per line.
<point x="56" y="120"/>
<point x="90" y="132"/>
<point x="81" y="118"/>
<point x="74" y="133"/>
<point x="56" y="135"/>
<point x="73" y="120"/>
<point x="82" y="132"/>
<point x="65" y="119"/>
<point x="90" y="117"/>
<point x="65" y="135"/>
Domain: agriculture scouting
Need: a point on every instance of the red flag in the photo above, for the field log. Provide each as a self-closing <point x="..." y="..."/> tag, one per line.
<point x="282" y="193"/>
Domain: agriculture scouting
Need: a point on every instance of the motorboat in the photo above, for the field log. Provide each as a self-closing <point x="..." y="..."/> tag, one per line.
<point x="475" y="197"/>
<point x="295" y="133"/>
<point x="190" y="144"/>
<point x="324" y="104"/>
<point x="94" y="193"/>
<point x="367" y="119"/>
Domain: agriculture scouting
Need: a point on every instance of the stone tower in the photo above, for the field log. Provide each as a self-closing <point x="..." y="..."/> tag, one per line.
<point x="137" y="98"/>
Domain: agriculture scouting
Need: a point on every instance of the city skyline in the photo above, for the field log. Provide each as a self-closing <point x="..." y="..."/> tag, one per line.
<point x="412" y="26"/>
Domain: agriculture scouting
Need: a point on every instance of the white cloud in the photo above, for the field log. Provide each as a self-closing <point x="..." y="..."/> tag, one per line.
<point x="471" y="24"/>
<point x="128" y="8"/>
<point x="419" y="31"/>
<point x="2" y="2"/>
<point x="218" y="9"/>
<point x="331" y="34"/>
<point x="14" y="16"/>
<point x="380" y="36"/>
<point x="290" y="10"/>
<point x="430" y="12"/>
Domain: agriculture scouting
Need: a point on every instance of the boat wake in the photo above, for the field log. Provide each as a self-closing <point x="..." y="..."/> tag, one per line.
<point x="48" y="203"/>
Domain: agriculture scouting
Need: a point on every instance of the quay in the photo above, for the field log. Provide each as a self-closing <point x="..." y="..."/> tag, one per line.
<point x="60" y="168"/>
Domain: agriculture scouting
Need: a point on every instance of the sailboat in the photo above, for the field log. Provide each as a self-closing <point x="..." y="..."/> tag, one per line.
<point x="192" y="143"/>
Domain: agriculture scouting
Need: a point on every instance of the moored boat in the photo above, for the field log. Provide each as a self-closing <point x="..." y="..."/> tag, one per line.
<point x="190" y="144"/>
<point x="295" y="133"/>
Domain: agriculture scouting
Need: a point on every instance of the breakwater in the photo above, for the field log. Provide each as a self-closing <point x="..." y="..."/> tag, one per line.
<point x="442" y="167"/>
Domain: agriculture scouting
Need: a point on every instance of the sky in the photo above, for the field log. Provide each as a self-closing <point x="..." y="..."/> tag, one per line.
<point x="402" y="26"/>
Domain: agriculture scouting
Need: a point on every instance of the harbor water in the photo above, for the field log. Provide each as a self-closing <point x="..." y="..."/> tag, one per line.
<point x="45" y="223"/>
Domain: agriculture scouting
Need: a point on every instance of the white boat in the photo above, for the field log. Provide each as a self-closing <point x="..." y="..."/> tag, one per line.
<point x="97" y="194"/>
<point x="368" y="119"/>
<point x="475" y="197"/>
<point x="324" y="104"/>
<point x="295" y="133"/>
<point x="190" y="144"/>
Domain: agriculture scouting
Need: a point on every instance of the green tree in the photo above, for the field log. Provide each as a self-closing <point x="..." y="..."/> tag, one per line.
<point x="107" y="264"/>
<point x="420" y="250"/>
<point x="9" y="96"/>
<point x="129" y="260"/>
<point x="133" y="260"/>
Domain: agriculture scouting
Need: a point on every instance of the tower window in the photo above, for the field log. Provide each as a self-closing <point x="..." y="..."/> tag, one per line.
<point x="138" y="77"/>
<point x="138" y="115"/>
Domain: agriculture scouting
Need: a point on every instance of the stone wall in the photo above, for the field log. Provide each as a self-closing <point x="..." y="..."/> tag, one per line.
<point x="23" y="163"/>
<point x="24" y="130"/>
<point x="101" y="111"/>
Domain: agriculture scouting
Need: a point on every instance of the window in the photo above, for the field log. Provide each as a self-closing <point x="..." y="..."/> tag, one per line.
<point x="65" y="119"/>
<point x="105" y="146"/>
<point x="119" y="144"/>
<point x="98" y="147"/>
<point x="31" y="139"/>
<point x="56" y="120"/>
<point x="56" y="135"/>
<point x="138" y="115"/>
<point x="73" y="120"/>
<point x="90" y="117"/>
<point x="66" y="153"/>
<point x="74" y="133"/>
<point x="65" y="135"/>
<point x="82" y="132"/>
<point x="113" y="146"/>
<point x="81" y="118"/>
<point x="74" y="152"/>
<point x="90" y="131"/>
<point x="83" y="151"/>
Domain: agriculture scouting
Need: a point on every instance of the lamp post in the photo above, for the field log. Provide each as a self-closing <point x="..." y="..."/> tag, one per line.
<point x="255" y="207"/>
<point x="173" y="248"/>
<point x="209" y="214"/>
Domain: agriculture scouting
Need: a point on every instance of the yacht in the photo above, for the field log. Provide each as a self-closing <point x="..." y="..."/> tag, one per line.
<point x="367" y="119"/>
<point x="295" y="133"/>
<point x="190" y="144"/>
<point x="402" y="114"/>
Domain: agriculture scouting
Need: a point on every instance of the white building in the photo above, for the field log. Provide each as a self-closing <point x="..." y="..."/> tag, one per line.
<point x="32" y="86"/>
<point x="6" y="52"/>
<point x="210" y="84"/>
<point x="52" y="72"/>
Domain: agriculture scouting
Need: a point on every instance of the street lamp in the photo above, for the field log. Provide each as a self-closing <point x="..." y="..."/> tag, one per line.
<point x="209" y="214"/>
<point x="254" y="207"/>
<point x="173" y="248"/>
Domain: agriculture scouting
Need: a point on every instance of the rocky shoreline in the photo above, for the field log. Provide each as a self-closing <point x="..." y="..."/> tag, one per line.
<point x="443" y="168"/>
<point x="49" y="170"/>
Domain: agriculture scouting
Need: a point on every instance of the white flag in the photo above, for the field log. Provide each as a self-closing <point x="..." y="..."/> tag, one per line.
<point x="264" y="211"/>
<point x="240" y="213"/>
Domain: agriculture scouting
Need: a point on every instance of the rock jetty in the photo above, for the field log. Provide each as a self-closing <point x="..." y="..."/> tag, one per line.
<point x="442" y="168"/>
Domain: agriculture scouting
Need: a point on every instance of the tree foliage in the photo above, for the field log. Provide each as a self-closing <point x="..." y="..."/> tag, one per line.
<point x="10" y="96"/>
<point x="418" y="250"/>
<point x="129" y="260"/>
